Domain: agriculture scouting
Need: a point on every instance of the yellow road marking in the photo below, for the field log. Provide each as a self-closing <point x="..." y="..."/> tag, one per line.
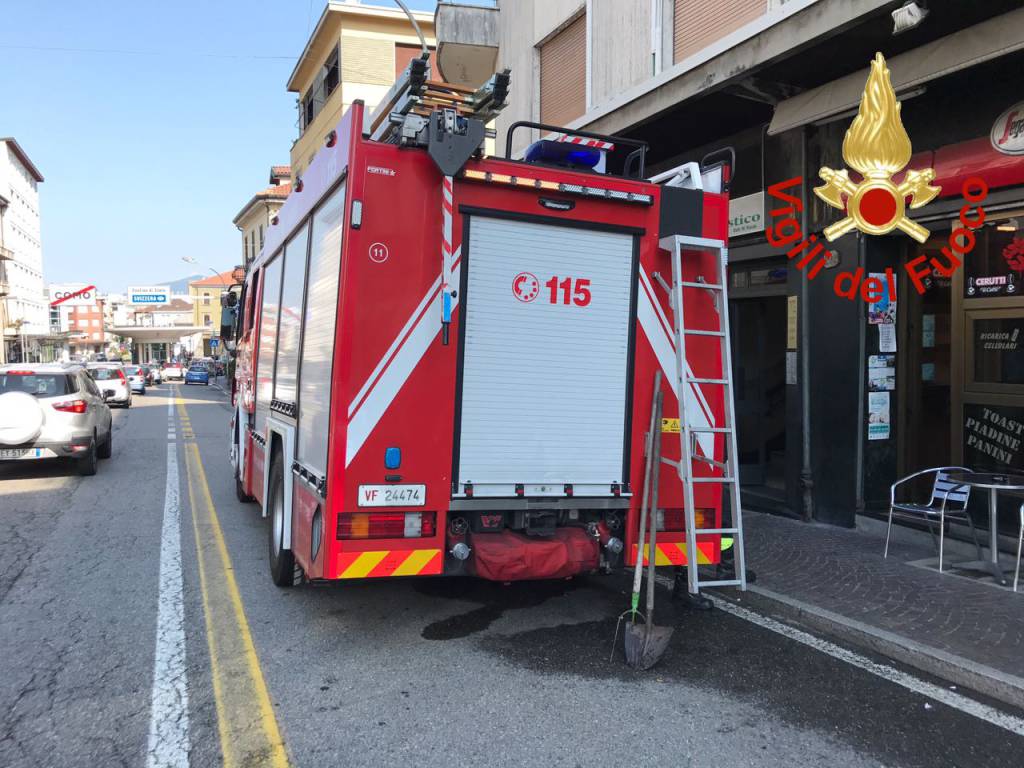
<point x="249" y="733"/>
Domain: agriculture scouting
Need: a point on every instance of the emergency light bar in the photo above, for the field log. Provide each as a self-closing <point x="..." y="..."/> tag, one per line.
<point x="555" y="186"/>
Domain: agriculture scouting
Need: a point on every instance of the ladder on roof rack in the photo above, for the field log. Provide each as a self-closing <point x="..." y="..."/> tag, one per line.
<point x="686" y="384"/>
<point x="407" y="107"/>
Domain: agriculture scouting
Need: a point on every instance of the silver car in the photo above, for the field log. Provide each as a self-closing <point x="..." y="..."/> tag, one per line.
<point x="51" y="411"/>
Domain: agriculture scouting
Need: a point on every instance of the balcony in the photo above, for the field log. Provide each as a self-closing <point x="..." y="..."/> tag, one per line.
<point x="6" y="254"/>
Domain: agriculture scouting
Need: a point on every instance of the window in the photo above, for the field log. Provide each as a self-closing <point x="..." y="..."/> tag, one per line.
<point x="324" y="84"/>
<point x="38" y="385"/>
<point x="696" y="24"/>
<point x="207" y="321"/>
<point x="261" y="237"/>
<point x="206" y="300"/>
<point x="563" y="74"/>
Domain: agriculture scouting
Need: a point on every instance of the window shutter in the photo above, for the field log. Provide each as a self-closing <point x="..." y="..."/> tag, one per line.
<point x="697" y="24"/>
<point x="563" y="74"/>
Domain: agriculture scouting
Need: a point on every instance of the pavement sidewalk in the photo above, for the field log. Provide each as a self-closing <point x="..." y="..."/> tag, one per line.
<point x="969" y="632"/>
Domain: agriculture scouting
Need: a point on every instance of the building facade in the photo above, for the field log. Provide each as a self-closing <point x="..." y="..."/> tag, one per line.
<point x="354" y="52"/>
<point x="25" y="314"/>
<point x="255" y="217"/>
<point x="205" y="297"/>
<point x="835" y="398"/>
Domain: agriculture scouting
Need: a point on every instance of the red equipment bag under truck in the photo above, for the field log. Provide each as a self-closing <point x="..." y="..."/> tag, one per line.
<point x="446" y="361"/>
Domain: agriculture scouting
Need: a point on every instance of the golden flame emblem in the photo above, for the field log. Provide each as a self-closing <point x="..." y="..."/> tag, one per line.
<point x="877" y="146"/>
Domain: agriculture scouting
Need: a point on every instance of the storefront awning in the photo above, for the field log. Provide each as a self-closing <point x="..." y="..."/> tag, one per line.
<point x="988" y="40"/>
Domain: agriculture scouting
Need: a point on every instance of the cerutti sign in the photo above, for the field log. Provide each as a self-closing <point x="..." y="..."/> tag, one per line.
<point x="149" y="294"/>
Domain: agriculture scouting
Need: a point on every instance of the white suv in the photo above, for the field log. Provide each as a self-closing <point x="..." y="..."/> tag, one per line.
<point x="53" y="411"/>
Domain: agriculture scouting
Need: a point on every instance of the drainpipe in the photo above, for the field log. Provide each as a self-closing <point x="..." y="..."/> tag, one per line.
<point x="806" y="480"/>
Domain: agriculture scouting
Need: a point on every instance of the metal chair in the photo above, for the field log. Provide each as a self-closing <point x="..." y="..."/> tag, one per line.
<point x="1020" y="542"/>
<point x="944" y="493"/>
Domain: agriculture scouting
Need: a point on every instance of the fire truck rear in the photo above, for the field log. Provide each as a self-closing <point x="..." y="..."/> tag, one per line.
<point x="446" y="361"/>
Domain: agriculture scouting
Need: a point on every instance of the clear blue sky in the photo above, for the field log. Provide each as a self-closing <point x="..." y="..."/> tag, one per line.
<point x="153" y="128"/>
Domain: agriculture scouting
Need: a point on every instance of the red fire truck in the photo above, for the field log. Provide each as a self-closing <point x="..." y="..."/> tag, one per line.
<point x="446" y="361"/>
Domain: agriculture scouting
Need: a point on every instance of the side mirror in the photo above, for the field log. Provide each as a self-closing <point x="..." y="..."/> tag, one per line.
<point x="107" y="394"/>
<point x="228" y="299"/>
<point x="228" y="317"/>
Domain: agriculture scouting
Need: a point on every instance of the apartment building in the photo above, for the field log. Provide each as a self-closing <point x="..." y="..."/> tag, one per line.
<point x="256" y="215"/>
<point x="24" y="317"/>
<point x="354" y="52"/>
<point x="771" y="86"/>
<point x="205" y="297"/>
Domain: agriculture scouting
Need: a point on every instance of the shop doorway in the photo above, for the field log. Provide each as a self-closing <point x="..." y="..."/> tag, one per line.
<point x="758" y="337"/>
<point x="924" y="361"/>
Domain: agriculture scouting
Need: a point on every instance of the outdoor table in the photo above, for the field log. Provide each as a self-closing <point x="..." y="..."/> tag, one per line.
<point x="994" y="482"/>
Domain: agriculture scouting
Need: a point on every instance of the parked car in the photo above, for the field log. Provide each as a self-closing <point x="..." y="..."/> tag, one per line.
<point x="53" y="411"/>
<point x="136" y="378"/>
<point x="111" y="376"/>
<point x="156" y="369"/>
<point x="172" y="371"/>
<point x="197" y="374"/>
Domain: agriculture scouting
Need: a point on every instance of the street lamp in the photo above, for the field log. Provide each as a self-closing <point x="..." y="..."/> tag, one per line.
<point x="192" y="260"/>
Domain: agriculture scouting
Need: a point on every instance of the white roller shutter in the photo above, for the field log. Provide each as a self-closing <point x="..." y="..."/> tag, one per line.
<point x="545" y="384"/>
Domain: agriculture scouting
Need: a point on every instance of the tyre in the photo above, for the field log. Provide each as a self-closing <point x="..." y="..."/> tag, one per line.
<point x="107" y="446"/>
<point x="283" y="569"/>
<point x="240" y="493"/>
<point x="87" y="463"/>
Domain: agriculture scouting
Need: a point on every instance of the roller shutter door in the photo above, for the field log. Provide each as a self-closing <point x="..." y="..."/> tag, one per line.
<point x="545" y="384"/>
<point x="563" y="74"/>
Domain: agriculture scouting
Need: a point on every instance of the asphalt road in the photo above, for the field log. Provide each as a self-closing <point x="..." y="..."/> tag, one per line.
<point x="420" y="672"/>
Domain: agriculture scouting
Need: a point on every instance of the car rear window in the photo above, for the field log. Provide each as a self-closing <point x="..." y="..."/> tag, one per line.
<point x="38" y="384"/>
<point x="104" y="374"/>
<point x="131" y="370"/>
<point x="197" y="369"/>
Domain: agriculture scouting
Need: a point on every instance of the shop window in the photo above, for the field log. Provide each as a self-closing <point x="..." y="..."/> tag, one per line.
<point x="995" y="267"/>
<point x="999" y="350"/>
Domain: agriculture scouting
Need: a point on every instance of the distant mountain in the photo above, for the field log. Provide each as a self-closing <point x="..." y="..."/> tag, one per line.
<point x="181" y="286"/>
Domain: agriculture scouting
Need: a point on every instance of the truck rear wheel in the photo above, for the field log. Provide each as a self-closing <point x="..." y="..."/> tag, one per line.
<point x="284" y="571"/>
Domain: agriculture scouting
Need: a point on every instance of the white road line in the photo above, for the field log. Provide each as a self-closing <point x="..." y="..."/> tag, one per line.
<point x="168" y="724"/>
<point x="893" y="675"/>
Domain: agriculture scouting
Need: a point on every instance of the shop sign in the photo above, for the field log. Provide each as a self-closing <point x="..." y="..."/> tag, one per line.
<point x="746" y="214"/>
<point x="993" y="436"/>
<point x="993" y="285"/>
<point x="1008" y="131"/>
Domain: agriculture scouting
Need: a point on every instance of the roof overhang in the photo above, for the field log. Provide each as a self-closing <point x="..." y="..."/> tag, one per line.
<point x="982" y="42"/>
<point x="169" y="334"/>
<point x="20" y="154"/>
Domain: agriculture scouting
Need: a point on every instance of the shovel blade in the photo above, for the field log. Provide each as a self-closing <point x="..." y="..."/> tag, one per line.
<point x="645" y="645"/>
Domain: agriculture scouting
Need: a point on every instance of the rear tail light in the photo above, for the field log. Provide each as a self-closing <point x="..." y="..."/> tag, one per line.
<point x="674" y="519"/>
<point x="121" y="374"/>
<point x="72" y="406"/>
<point x="387" y="525"/>
<point x="21" y="373"/>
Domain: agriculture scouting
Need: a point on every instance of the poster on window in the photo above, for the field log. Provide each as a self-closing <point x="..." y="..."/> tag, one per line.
<point x="878" y="415"/>
<point x="993" y="436"/>
<point x="881" y="373"/>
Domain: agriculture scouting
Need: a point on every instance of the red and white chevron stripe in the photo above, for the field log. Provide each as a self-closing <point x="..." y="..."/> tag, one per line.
<point x="446" y="232"/>
<point x="584" y="141"/>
